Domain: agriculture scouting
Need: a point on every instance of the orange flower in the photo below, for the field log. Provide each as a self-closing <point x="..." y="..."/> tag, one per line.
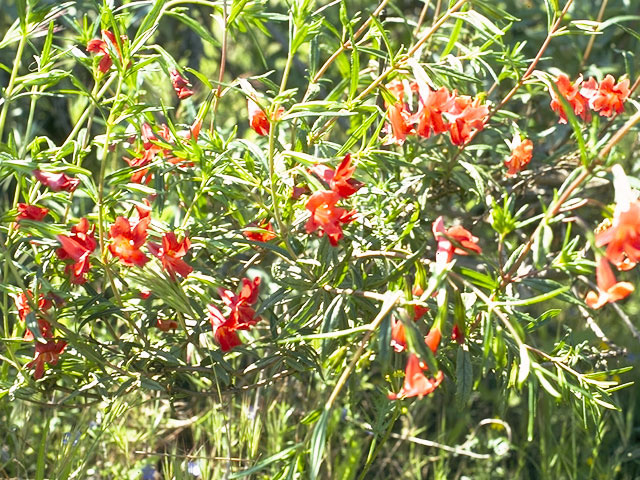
<point x="609" y="290"/>
<point x="77" y="247"/>
<point x="467" y="115"/>
<point x="31" y="212"/>
<point x="263" y="236"/>
<point x="46" y="353"/>
<point x="127" y="241"/>
<point x="340" y="180"/>
<point x="180" y="84"/>
<point x="623" y="236"/>
<point x="171" y="253"/>
<point x="398" y="115"/>
<point x="521" y="154"/>
<point x="258" y="118"/>
<point x="24" y="309"/>
<point x="446" y="249"/>
<point x="326" y="216"/>
<point x="241" y="315"/>
<point x="609" y="96"/>
<point x="432" y="105"/>
<point x="56" y="181"/>
<point x="572" y="94"/>
<point x="416" y="384"/>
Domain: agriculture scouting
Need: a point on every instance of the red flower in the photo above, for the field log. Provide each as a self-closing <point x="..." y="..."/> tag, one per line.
<point x="609" y="290"/>
<point x="241" y="316"/>
<point x="457" y="334"/>
<point x="339" y="180"/>
<point x="398" y="335"/>
<point x="325" y="215"/>
<point x="171" y="253"/>
<point x="165" y="324"/>
<point x="446" y="249"/>
<point x="24" y="309"/>
<point x="258" y="118"/>
<point x="56" y="181"/>
<point x="263" y="236"/>
<point x="102" y="47"/>
<point x="432" y="106"/>
<point x="521" y="154"/>
<point x="572" y="94"/>
<point x="180" y="84"/>
<point x="127" y="241"/>
<point x="432" y="339"/>
<point x="77" y="247"/>
<point x="416" y="384"/>
<point x="31" y="212"/>
<point x="467" y="115"/>
<point x="398" y="115"/>
<point x="623" y="236"/>
<point x="609" y="97"/>
<point x="46" y="353"/>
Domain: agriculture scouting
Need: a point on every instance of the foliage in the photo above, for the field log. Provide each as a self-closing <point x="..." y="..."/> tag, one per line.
<point x="242" y="236"/>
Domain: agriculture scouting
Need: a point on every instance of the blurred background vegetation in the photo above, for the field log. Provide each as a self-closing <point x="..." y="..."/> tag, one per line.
<point x="142" y="435"/>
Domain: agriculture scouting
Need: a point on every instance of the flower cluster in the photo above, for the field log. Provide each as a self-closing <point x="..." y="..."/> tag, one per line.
<point x="77" y="247"/>
<point x="241" y="315"/>
<point x="606" y="98"/>
<point x="103" y="48"/>
<point x="438" y="112"/>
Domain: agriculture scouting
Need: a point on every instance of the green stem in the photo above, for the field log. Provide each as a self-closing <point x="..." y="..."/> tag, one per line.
<point x="9" y="90"/>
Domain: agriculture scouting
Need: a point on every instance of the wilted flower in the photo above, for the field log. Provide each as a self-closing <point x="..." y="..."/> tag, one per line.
<point x="24" y="309"/>
<point x="180" y="84"/>
<point x="165" y="324"/>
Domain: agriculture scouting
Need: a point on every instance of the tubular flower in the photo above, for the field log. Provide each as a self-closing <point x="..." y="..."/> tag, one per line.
<point x="340" y="180"/>
<point x="46" y="353"/>
<point x="399" y="117"/>
<point x="609" y="290"/>
<point x="263" y="236"/>
<point x="165" y="324"/>
<point x="416" y="384"/>
<point x="127" y="241"/>
<point x="521" y="154"/>
<point x="398" y="335"/>
<point x="241" y="315"/>
<point x="24" y="309"/>
<point x="31" y="212"/>
<point x="572" y="94"/>
<point x="609" y="97"/>
<point x="180" y="84"/>
<point x="171" y="252"/>
<point x="258" y="118"/>
<point x="432" y="105"/>
<point x="446" y="249"/>
<point x="326" y="216"/>
<point x="57" y="181"/>
<point x="102" y="47"/>
<point x="623" y="236"/>
<point x="77" y="247"/>
<point x="467" y="115"/>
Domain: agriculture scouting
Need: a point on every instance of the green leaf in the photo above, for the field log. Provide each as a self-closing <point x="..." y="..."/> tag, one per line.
<point x="464" y="377"/>
<point x="318" y="439"/>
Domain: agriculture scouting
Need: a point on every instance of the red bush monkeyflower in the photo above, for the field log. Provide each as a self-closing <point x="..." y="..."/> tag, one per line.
<point x="446" y="249"/>
<point x="264" y="236"/>
<point x="57" y="181"/>
<point x="24" y="309"/>
<point x="165" y="324"/>
<point x="398" y="335"/>
<point x="416" y="384"/>
<point x="572" y="94"/>
<point x="623" y="236"/>
<point x="171" y="252"/>
<point x="258" y="118"/>
<point x="457" y="334"/>
<point x="609" y="290"/>
<point x="521" y="154"/>
<point x="77" y="247"/>
<point x="340" y="180"/>
<point x="31" y="212"/>
<point x="326" y="216"/>
<point x="102" y="47"/>
<point x="241" y="315"/>
<point x="432" y="105"/>
<point x="400" y="123"/>
<point x="609" y="97"/>
<point x="180" y="84"/>
<point x="467" y="115"/>
<point x="127" y="241"/>
<point x="46" y="353"/>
